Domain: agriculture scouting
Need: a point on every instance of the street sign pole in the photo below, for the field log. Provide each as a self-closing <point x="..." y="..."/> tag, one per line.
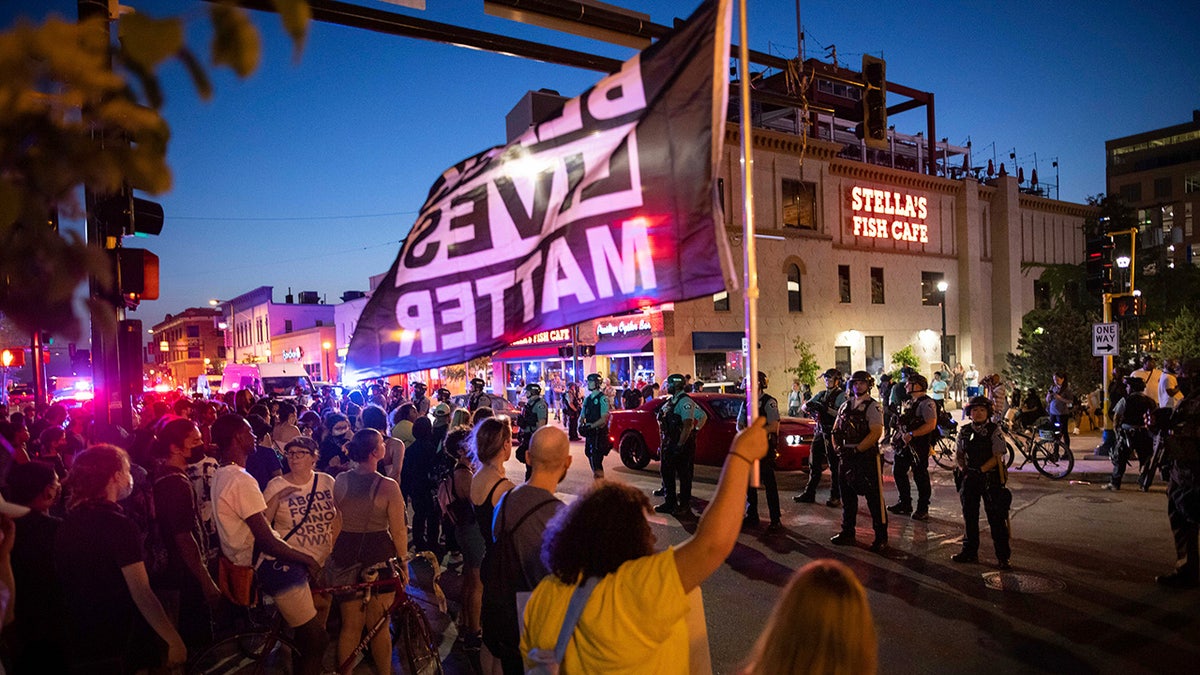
<point x="1107" y="436"/>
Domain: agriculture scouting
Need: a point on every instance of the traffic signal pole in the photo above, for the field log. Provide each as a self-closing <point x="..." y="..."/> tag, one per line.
<point x="1106" y="300"/>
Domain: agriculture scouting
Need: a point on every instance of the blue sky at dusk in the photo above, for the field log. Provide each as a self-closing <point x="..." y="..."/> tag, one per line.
<point x="308" y="174"/>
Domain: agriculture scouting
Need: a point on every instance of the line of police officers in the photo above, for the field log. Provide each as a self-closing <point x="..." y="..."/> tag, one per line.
<point x="849" y="427"/>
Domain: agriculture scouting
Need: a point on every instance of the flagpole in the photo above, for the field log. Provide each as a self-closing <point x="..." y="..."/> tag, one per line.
<point x="750" y="262"/>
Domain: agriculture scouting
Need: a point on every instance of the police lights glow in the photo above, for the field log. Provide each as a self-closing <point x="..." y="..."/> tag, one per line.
<point x="907" y="212"/>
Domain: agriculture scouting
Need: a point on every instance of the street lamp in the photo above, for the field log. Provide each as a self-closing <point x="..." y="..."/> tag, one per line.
<point x="224" y="325"/>
<point x="942" y="287"/>
<point x="325" y="347"/>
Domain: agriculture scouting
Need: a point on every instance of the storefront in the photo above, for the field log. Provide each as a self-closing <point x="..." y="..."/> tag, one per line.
<point x="311" y="348"/>
<point x="542" y="358"/>
<point x="720" y="355"/>
<point x="626" y="347"/>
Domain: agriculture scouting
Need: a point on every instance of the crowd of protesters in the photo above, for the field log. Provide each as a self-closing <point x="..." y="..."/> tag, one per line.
<point x="125" y="550"/>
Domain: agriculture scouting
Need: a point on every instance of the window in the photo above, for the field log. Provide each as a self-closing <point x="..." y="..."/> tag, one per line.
<point x="1041" y="295"/>
<point x="1162" y="188"/>
<point x="320" y="322"/>
<point x="875" y="354"/>
<point x="721" y="301"/>
<point x="193" y="331"/>
<point x="1191" y="182"/>
<point x="721" y="192"/>
<point x="795" y="299"/>
<point x="844" y="282"/>
<point x="193" y="352"/>
<point x="877" y="285"/>
<point x="799" y="204"/>
<point x="930" y="295"/>
<point x="841" y="359"/>
<point x="1131" y="193"/>
<point x="287" y="325"/>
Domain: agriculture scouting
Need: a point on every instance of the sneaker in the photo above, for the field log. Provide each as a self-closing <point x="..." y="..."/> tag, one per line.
<point x="900" y="509"/>
<point x="842" y="539"/>
<point x="750" y="522"/>
<point x="804" y="498"/>
<point x="964" y="557"/>
<point x="1004" y="565"/>
<point x="1110" y="486"/>
<point x="684" y="510"/>
<point x="666" y="507"/>
<point x="879" y="546"/>
<point x="659" y="492"/>
<point x="775" y="527"/>
<point x="835" y="503"/>
<point x="920" y="514"/>
<point x="1178" y="579"/>
<point x="1144" y="488"/>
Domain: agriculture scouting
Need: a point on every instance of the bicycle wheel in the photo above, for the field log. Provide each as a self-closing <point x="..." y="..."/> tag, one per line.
<point x="1052" y="459"/>
<point x="943" y="453"/>
<point x="259" y="653"/>
<point x="413" y="641"/>
<point x="1010" y="451"/>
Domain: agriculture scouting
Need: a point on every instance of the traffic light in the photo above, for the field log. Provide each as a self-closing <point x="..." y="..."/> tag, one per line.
<point x="1128" y="306"/>
<point x="874" y="103"/>
<point x="1098" y="262"/>
<point x="137" y="270"/>
<point x="124" y="215"/>
<point x="12" y="357"/>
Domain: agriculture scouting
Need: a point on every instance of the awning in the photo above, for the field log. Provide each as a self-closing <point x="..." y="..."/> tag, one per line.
<point x="527" y="353"/>
<point x="635" y="344"/>
<point x="717" y="341"/>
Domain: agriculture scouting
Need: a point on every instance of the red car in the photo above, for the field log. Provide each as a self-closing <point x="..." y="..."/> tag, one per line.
<point x="634" y="433"/>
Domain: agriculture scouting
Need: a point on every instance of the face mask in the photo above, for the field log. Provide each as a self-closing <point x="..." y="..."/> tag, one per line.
<point x="196" y="454"/>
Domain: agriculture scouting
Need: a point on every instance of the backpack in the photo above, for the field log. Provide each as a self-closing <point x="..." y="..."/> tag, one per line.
<point x="156" y="548"/>
<point x="456" y="509"/>
<point x="500" y="573"/>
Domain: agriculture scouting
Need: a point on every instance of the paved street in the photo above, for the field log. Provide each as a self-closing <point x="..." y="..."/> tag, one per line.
<point x="1081" y="597"/>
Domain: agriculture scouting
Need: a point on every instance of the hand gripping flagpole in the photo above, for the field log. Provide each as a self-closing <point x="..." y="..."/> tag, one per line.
<point x="750" y="262"/>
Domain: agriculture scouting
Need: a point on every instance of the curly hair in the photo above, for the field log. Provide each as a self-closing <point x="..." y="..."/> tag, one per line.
<point x="599" y="532"/>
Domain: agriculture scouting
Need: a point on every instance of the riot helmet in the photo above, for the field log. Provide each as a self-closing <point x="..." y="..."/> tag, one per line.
<point x="762" y="381"/>
<point x="917" y="379"/>
<point x="443" y="394"/>
<point x="418" y="388"/>
<point x="675" y="383"/>
<point x="861" y="376"/>
<point x="977" y="401"/>
<point x="593" y="382"/>
<point x="477" y="384"/>
<point x="533" y="389"/>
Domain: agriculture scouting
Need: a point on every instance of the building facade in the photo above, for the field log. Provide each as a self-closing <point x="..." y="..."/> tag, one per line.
<point x="253" y="321"/>
<point x="1157" y="173"/>
<point x="187" y="345"/>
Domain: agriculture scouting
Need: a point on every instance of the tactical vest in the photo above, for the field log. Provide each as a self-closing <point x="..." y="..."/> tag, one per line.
<point x="1183" y="432"/>
<point x="529" y="417"/>
<point x="1136" y="407"/>
<point x="911" y="420"/>
<point x="977" y="444"/>
<point x="821" y="403"/>
<point x="591" y="407"/>
<point x="670" y="423"/>
<point x="773" y="436"/>
<point x="852" y="425"/>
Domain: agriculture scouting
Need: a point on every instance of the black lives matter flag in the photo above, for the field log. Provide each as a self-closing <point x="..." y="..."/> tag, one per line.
<point x="606" y="208"/>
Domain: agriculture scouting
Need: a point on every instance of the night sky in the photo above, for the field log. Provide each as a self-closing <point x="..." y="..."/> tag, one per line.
<point x="309" y="174"/>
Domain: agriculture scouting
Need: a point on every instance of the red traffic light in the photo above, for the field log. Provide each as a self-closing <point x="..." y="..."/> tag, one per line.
<point x="12" y="357"/>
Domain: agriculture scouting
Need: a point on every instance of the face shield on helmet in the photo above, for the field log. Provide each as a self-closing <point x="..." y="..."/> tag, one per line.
<point x="533" y="389"/>
<point x="443" y="394"/>
<point x="675" y="384"/>
<point x="477" y="384"/>
<point x="593" y="382"/>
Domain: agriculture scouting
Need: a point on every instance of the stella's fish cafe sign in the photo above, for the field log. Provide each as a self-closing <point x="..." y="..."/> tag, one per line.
<point x="887" y="214"/>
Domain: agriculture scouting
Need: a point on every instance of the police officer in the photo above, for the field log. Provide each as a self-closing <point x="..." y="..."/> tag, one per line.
<point x="979" y="457"/>
<point x="897" y="397"/>
<point x="768" y="408"/>
<point x="594" y="425"/>
<point x="1129" y="416"/>
<point x="1179" y="438"/>
<point x="823" y="408"/>
<point x="478" y="398"/>
<point x="419" y="400"/>
<point x="856" y="433"/>
<point x="534" y="415"/>
<point x="677" y="446"/>
<point x="910" y="444"/>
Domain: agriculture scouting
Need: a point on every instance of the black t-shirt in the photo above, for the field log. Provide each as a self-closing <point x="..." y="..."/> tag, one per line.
<point x="176" y="511"/>
<point x="263" y="463"/>
<point x="94" y="542"/>
<point x="39" y="603"/>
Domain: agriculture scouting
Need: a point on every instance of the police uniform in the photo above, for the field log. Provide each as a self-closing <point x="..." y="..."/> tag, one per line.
<point x="534" y="415"/>
<point x="595" y="408"/>
<point x="420" y="402"/>
<point x="823" y="407"/>
<point x="978" y="443"/>
<point x="860" y="472"/>
<point x="913" y="454"/>
<point x="677" y="454"/>
<point x="478" y="398"/>
<point x="768" y="409"/>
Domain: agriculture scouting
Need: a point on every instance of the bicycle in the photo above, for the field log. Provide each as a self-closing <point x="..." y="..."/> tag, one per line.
<point x="270" y="650"/>
<point x="1044" y="448"/>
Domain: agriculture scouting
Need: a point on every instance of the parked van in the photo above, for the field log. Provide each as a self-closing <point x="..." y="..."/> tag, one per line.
<point x="277" y="380"/>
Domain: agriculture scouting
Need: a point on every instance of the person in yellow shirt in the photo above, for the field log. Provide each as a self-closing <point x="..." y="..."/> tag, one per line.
<point x="634" y="620"/>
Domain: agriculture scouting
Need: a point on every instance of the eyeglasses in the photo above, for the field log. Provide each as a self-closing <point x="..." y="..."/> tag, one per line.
<point x="298" y="453"/>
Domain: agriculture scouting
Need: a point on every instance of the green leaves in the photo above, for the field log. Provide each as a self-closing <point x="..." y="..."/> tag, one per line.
<point x="295" y="15"/>
<point x="147" y="41"/>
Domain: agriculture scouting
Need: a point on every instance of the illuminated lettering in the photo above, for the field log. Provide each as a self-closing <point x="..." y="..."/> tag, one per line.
<point x="910" y="210"/>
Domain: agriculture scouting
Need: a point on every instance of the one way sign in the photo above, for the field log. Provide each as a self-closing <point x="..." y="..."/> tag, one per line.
<point x="1104" y="339"/>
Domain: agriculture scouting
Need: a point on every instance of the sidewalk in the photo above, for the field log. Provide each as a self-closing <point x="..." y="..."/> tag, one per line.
<point x="1088" y="466"/>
